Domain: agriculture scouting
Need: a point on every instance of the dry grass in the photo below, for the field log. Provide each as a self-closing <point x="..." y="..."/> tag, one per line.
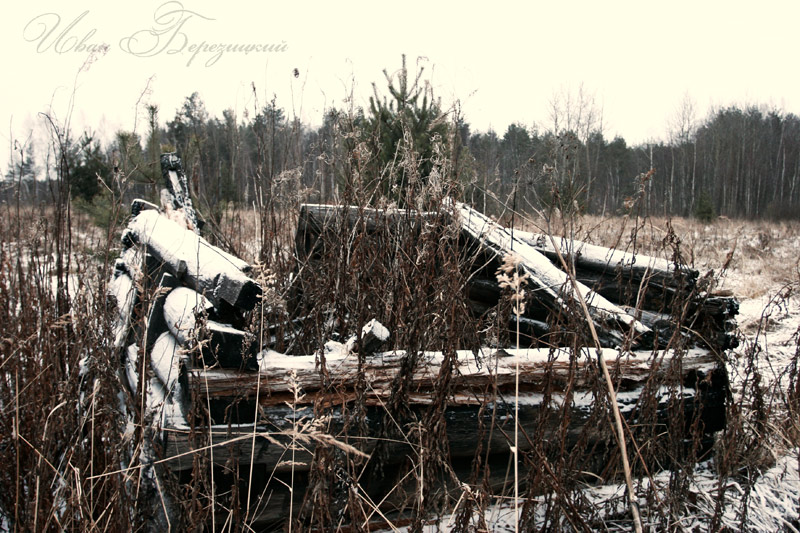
<point x="59" y="394"/>
<point x="51" y="467"/>
<point x="761" y="255"/>
<point x="67" y="425"/>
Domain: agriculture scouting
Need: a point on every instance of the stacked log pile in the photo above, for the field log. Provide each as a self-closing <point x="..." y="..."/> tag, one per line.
<point x="650" y="286"/>
<point x="635" y="301"/>
<point x="181" y="305"/>
<point x="209" y="388"/>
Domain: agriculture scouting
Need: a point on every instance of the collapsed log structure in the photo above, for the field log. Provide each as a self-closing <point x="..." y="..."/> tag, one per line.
<point x="631" y="298"/>
<point x="211" y="390"/>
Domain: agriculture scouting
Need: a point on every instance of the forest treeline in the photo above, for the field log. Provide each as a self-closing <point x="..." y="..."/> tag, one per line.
<point x="738" y="161"/>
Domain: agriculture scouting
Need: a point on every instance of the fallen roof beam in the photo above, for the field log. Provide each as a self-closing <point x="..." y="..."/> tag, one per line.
<point x="548" y="281"/>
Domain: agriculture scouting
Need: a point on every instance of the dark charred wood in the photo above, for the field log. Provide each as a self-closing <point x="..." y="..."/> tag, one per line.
<point x="547" y="282"/>
<point x="227" y="347"/>
<point x="319" y="224"/>
<point x="628" y="291"/>
<point x="178" y="187"/>
<point x="373" y="336"/>
<point x="191" y="319"/>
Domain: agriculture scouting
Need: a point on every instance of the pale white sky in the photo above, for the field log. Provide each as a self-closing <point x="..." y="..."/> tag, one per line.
<point x="504" y="61"/>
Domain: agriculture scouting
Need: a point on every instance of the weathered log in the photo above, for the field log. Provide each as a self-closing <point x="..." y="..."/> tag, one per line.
<point x="710" y="321"/>
<point x="316" y="220"/>
<point x="169" y="366"/>
<point x="720" y="307"/>
<point x="280" y="374"/>
<point x="548" y="282"/>
<point x="178" y="187"/>
<point x="713" y="318"/>
<point x="484" y="296"/>
<point x="122" y="295"/>
<point x="625" y="289"/>
<point x="610" y="260"/>
<point x="166" y="408"/>
<point x="596" y="459"/>
<point x="545" y="377"/>
<point x="190" y="258"/>
<point x="165" y="395"/>
<point x="131" y="368"/>
<point x="165" y="359"/>
<point x="182" y="307"/>
<point x="156" y="324"/>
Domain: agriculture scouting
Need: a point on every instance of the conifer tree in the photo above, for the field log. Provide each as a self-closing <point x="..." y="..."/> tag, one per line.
<point x="404" y="128"/>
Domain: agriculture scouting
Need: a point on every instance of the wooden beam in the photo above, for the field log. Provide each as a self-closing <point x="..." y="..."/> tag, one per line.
<point x="546" y="281"/>
<point x="193" y="260"/>
<point x="178" y="187"/>
<point x="696" y="378"/>
<point x="280" y="374"/>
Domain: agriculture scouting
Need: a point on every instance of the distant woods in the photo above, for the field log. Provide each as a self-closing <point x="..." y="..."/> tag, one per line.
<point x="737" y="162"/>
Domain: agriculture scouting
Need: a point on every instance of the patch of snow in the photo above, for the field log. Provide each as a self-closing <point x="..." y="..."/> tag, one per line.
<point x="121" y="288"/>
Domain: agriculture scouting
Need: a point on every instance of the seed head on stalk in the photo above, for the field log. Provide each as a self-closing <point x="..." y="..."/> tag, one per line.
<point x="509" y="277"/>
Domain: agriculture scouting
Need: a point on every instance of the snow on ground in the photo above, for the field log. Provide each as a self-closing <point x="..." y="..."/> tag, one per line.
<point x="769" y="323"/>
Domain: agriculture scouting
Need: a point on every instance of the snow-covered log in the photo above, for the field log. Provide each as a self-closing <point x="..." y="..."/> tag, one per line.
<point x="280" y="374"/>
<point x="546" y="281"/>
<point x="289" y="387"/>
<point x="602" y="259"/>
<point x="138" y="205"/>
<point x="204" y="267"/>
<point x="169" y="366"/>
<point x="122" y="292"/>
<point x="182" y="308"/>
<point x="166" y="360"/>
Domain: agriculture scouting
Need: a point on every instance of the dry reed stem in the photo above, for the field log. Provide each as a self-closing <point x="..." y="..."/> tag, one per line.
<point x="612" y="395"/>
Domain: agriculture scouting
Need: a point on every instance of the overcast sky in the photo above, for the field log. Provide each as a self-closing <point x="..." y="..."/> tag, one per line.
<point x="504" y="62"/>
